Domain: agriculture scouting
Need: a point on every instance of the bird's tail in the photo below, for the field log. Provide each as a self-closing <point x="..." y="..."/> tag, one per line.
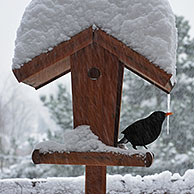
<point x="123" y="141"/>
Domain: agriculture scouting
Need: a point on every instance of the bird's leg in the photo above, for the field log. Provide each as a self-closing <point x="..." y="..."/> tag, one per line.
<point x="123" y="140"/>
<point x="134" y="147"/>
<point x="145" y="147"/>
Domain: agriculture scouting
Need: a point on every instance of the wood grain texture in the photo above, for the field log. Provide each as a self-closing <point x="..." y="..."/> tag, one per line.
<point x="38" y="72"/>
<point x="93" y="159"/>
<point x="118" y="102"/>
<point x="97" y="102"/>
<point x="134" y="61"/>
<point x="49" y="74"/>
<point x="96" y="184"/>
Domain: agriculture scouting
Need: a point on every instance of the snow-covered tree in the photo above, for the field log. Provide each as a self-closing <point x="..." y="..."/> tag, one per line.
<point x="15" y="125"/>
<point x="60" y="108"/>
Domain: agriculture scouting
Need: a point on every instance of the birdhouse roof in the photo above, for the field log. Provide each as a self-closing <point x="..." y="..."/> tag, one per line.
<point x="147" y="27"/>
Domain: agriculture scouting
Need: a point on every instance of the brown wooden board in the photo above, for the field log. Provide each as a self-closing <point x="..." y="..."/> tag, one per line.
<point x="53" y="64"/>
<point x="46" y="75"/>
<point x="97" y="78"/>
<point x="97" y="182"/>
<point x="97" y="102"/>
<point x="93" y="159"/>
<point x="134" y="61"/>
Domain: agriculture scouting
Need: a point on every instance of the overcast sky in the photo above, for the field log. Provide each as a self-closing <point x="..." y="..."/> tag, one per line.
<point x="10" y="16"/>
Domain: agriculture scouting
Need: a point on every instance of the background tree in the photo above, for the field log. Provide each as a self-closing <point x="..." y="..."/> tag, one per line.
<point x="15" y="125"/>
<point x="60" y="108"/>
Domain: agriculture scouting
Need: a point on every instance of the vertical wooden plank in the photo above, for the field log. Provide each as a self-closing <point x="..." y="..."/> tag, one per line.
<point x="95" y="180"/>
<point x="118" y="104"/>
<point x="95" y="102"/>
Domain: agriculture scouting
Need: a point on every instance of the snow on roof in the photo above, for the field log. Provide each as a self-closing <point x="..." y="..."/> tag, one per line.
<point x="81" y="139"/>
<point x="147" y="27"/>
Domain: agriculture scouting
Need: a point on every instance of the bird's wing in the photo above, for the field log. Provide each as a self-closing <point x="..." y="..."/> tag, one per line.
<point x="133" y="127"/>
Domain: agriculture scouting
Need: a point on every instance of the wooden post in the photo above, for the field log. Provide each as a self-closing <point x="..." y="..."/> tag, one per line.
<point x="95" y="182"/>
<point x="97" y="78"/>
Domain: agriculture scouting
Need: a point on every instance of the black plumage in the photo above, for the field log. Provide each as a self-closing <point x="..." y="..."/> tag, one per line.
<point x="144" y="131"/>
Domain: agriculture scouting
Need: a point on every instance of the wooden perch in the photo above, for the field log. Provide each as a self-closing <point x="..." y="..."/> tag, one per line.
<point x="93" y="158"/>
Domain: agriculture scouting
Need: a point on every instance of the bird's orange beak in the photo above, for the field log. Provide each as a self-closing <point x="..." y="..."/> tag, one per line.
<point x="168" y="113"/>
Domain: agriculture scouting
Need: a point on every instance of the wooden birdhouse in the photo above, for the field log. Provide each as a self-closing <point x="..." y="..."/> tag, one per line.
<point x="96" y="61"/>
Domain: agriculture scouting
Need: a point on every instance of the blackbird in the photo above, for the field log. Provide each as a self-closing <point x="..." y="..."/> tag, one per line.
<point x="144" y="131"/>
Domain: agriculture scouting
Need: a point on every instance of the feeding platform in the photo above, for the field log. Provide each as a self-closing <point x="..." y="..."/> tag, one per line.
<point x="93" y="158"/>
<point x="82" y="147"/>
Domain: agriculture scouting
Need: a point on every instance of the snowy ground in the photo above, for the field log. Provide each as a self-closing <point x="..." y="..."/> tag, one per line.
<point x="165" y="182"/>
